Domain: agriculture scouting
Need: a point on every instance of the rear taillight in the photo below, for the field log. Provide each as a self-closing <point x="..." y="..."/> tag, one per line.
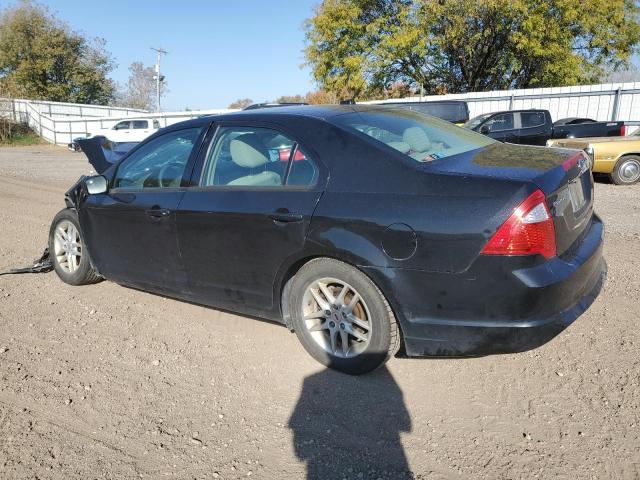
<point x="623" y="130"/>
<point x="528" y="231"/>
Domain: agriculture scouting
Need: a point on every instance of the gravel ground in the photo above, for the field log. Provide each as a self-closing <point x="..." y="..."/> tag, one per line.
<point x="108" y="382"/>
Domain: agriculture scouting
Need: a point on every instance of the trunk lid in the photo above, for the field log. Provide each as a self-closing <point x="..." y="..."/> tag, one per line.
<point x="562" y="175"/>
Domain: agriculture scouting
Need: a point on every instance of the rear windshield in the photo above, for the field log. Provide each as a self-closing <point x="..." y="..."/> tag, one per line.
<point x="423" y="138"/>
<point x="454" y="112"/>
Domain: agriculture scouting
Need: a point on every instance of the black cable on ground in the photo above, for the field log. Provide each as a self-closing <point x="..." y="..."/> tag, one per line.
<point x="40" y="265"/>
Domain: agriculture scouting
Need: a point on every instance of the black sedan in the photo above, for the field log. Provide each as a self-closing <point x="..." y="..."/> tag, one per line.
<point x="363" y="229"/>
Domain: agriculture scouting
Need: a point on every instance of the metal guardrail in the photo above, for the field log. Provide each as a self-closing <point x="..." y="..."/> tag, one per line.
<point x="60" y="123"/>
<point x="62" y="131"/>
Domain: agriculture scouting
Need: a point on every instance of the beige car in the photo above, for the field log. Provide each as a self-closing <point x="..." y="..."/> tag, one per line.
<point x="617" y="156"/>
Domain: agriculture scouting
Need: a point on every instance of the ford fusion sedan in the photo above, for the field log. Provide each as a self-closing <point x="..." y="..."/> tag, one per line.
<point x="365" y="230"/>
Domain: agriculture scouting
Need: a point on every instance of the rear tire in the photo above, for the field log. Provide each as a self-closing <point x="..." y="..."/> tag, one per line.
<point x="626" y="170"/>
<point x="67" y="250"/>
<point x="341" y="317"/>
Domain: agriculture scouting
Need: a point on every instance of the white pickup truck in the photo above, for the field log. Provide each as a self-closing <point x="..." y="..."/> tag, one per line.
<point x="133" y="130"/>
<point x="130" y="130"/>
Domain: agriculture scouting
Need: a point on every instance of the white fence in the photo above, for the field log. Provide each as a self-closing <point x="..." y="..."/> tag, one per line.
<point x="60" y="123"/>
<point x="613" y="101"/>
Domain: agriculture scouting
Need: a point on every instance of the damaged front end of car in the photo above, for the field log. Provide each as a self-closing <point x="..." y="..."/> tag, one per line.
<point x="102" y="154"/>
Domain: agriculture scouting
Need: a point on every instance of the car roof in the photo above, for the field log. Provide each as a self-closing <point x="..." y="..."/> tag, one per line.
<point x="513" y="111"/>
<point x="278" y="113"/>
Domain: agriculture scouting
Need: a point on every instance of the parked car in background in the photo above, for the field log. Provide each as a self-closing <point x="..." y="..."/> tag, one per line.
<point x="133" y="130"/>
<point x="130" y="130"/>
<point x="619" y="157"/>
<point x="454" y="111"/>
<point x="361" y="228"/>
<point x="535" y="127"/>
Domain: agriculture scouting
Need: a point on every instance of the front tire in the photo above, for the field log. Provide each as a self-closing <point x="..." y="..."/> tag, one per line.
<point x="341" y="317"/>
<point x="67" y="250"/>
<point x="626" y="170"/>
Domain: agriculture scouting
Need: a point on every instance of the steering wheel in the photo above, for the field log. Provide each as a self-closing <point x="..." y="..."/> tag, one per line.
<point x="170" y="179"/>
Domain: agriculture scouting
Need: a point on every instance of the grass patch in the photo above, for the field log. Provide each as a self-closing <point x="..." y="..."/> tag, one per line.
<point x="18" y="135"/>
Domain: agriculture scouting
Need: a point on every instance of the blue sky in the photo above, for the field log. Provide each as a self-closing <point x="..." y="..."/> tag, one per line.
<point x="219" y="50"/>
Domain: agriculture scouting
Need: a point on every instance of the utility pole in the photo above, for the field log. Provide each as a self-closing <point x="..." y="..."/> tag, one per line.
<point x="158" y="77"/>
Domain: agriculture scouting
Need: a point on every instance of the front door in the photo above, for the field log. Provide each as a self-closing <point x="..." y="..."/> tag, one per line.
<point x="501" y="127"/>
<point x="131" y="229"/>
<point x="256" y="193"/>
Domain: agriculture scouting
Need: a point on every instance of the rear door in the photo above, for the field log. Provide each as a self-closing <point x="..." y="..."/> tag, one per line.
<point x="255" y="190"/>
<point x="140" y="130"/>
<point x="130" y="229"/>
<point x="533" y="128"/>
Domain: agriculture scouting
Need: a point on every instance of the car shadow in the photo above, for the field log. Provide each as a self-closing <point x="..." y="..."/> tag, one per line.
<point x="349" y="426"/>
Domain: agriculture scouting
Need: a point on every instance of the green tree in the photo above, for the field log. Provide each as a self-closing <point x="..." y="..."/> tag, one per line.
<point x="42" y="58"/>
<point x="361" y="47"/>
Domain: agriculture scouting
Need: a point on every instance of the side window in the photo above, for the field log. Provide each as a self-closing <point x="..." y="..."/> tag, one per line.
<point x="140" y="124"/>
<point x="503" y="121"/>
<point x="303" y="172"/>
<point x="254" y="156"/>
<point x="531" y="119"/>
<point x="156" y="124"/>
<point x="122" y="125"/>
<point x="159" y="163"/>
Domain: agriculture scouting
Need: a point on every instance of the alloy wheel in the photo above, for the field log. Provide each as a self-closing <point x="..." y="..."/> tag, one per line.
<point x="67" y="246"/>
<point x="337" y="317"/>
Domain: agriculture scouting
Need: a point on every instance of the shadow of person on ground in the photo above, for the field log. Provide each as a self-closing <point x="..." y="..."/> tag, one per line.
<point x="349" y="426"/>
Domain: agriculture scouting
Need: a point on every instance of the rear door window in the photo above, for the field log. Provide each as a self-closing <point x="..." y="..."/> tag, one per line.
<point x="256" y="157"/>
<point x="140" y="124"/>
<point x="531" y="119"/>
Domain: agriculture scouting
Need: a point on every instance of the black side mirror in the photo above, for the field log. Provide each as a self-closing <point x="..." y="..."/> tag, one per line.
<point x="484" y="129"/>
<point x="96" y="185"/>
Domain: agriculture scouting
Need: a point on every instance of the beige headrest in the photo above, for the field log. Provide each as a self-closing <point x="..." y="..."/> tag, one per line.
<point x="416" y="138"/>
<point x="248" y="152"/>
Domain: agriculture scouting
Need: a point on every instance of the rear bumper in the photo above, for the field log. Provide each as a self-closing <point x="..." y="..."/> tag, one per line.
<point x="494" y="307"/>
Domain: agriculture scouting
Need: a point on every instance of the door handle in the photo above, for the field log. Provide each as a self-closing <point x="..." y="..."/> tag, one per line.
<point x="286" y="217"/>
<point x="158" y="212"/>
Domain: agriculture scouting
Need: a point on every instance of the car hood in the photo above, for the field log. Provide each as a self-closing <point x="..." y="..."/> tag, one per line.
<point x="102" y="152"/>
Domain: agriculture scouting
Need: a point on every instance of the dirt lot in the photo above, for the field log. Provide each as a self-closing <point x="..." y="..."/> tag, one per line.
<point x="108" y="382"/>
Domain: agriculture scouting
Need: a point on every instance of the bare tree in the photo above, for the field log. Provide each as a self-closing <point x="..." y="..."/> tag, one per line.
<point x="629" y="74"/>
<point x="241" y="103"/>
<point x="140" y="90"/>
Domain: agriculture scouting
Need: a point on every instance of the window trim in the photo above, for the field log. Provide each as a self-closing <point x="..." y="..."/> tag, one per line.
<point x="188" y="169"/>
<point x="198" y="171"/>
